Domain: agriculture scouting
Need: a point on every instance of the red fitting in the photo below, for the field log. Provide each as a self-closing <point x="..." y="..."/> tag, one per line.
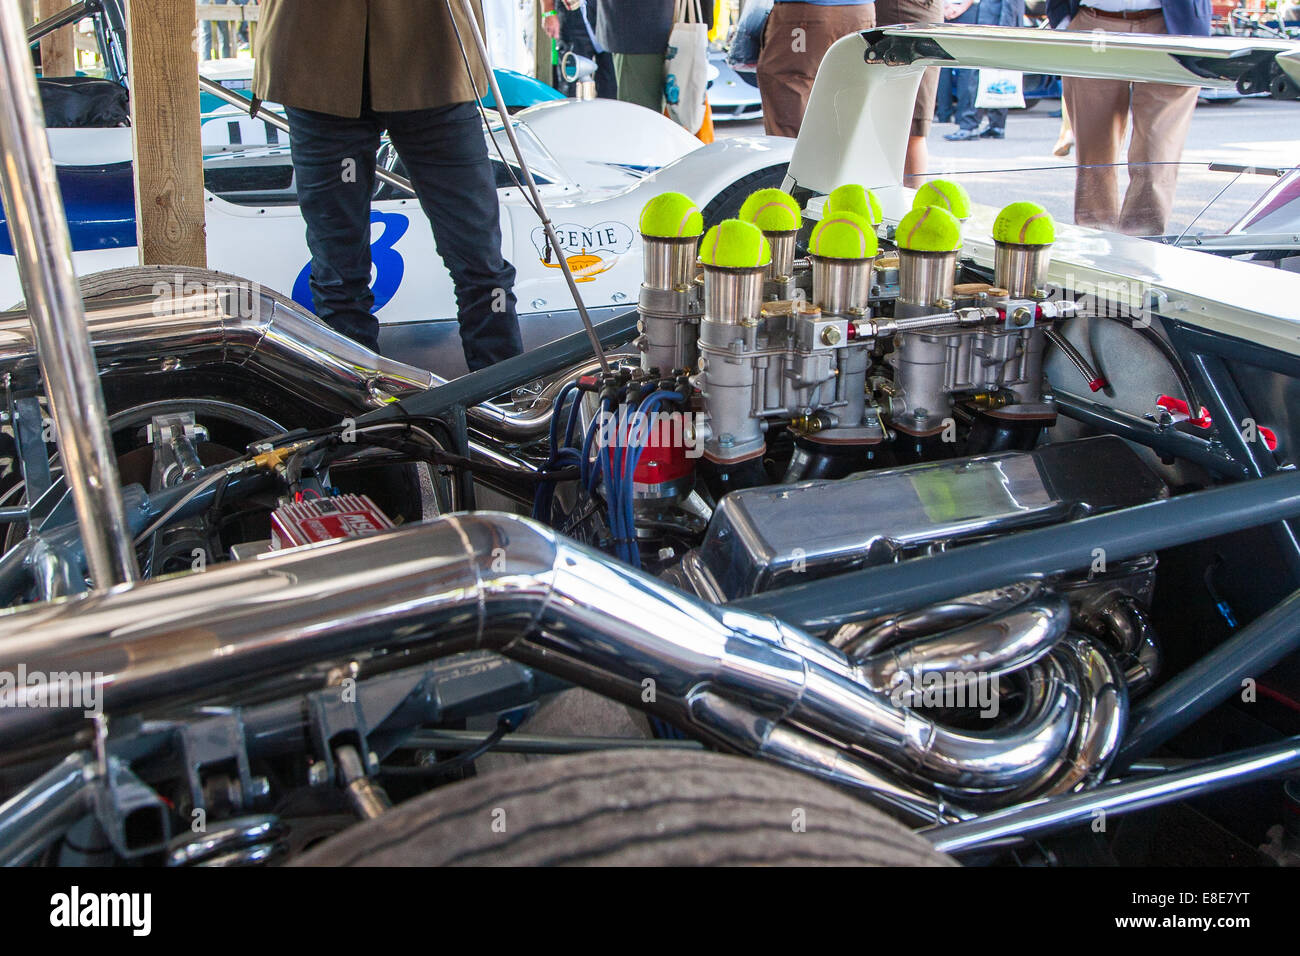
<point x="853" y="331"/>
<point x="1097" y="384"/>
<point x="1180" y="412"/>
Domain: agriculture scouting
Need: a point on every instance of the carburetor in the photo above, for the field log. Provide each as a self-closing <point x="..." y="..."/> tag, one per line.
<point x="1000" y="360"/>
<point x="759" y="350"/>
<point x="670" y="302"/>
<point x="788" y="359"/>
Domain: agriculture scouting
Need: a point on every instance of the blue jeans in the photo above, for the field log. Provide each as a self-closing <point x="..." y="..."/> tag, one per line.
<point x="945" y="110"/>
<point x="968" y="117"/>
<point x="447" y="160"/>
<point x="218" y="37"/>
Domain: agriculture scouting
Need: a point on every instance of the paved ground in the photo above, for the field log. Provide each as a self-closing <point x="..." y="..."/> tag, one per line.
<point x="1259" y="131"/>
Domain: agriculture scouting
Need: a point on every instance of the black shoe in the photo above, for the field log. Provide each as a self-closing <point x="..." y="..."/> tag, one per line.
<point x="961" y="134"/>
<point x="992" y="133"/>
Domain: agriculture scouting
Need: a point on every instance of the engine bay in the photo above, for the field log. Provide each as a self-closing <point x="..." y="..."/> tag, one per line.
<point x="697" y="531"/>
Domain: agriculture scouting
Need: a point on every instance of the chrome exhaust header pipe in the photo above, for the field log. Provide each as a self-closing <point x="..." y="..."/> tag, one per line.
<point x="231" y="324"/>
<point x="741" y="681"/>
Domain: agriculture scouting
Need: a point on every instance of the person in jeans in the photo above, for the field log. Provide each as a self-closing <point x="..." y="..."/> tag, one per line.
<point x="795" y="41"/>
<point x="1100" y="112"/>
<point x="1001" y="13"/>
<point x="346" y="77"/>
<point x="572" y="24"/>
<point x="636" y="32"/>
<point x="218" y="37"/>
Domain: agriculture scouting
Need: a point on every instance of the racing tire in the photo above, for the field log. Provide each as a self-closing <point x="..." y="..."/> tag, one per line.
<point x="631" y="808"/>
<point x="140" y="280"/>
<point x="1282" y="87"/>
<point x="726" y="204"/>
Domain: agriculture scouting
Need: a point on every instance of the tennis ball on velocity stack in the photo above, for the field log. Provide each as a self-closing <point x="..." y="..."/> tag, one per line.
<point x="671" y="216"/>
<point x="945" y="194"/>
<point x="855" y="199"/>
<point x="844" y="235"/>
<point x="733" y="244"/>
<point x="1025" y="224"/>
<point x="929" y="229"/>
<point x="772" y="210"/>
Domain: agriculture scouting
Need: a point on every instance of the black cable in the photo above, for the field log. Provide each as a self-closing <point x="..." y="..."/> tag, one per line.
<point x="1163" y="346"/>
<point x="213" y="518"/>
<point x="458" y="762"/>
<point x="413" y="444"/>
<point x="1176" y="363"/>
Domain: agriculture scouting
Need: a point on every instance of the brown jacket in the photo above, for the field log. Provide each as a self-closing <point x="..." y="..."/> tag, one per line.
<point x="312" y="54"/>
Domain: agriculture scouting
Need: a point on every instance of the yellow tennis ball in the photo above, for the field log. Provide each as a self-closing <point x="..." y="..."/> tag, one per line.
<point x="671" y="216"/>
<point x="945" y="194"/>
<point x="772" y="210"/>
<point x="855" y="199"/>
<point x="844" y="235"/>
<point x="733" y="244"/>
<point x="1025" y="224"/>
<point x="929" y="229"/>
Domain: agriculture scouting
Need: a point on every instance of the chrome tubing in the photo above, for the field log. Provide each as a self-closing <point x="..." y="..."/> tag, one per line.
<point x="1051" y="814"/>
<point x="63" y="18"/>
<point x="867" y="637"/>
<point x="43" y="251"/>
<point x="40" y="812"/>
<point x="925" y="280"/>
<point x="1103" y="715"/>
<point x="1020" y="269"/>
<point x="670" y="263"/>
<point x="226" y="325"/>
<point x="1001" y="643"/>
<point x="504" y="583"/>
<point x="732" y="296"/>
<point x="782" y="245"/>
<point x="842" y="286"/>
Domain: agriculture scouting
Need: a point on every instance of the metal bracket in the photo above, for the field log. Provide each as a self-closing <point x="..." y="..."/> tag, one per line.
<point x="205" y="744"/>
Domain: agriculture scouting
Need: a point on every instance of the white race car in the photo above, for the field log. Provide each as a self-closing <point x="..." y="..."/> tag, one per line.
<point x="596" y="162"/>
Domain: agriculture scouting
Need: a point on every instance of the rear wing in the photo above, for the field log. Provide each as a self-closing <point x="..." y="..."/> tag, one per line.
<point x="860" y="110"/>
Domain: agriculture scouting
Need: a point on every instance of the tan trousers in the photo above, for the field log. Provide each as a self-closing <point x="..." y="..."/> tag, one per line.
<point x="794" y="43"/>
<point x="1099" y="110"/>
<point x="889" y="12"/>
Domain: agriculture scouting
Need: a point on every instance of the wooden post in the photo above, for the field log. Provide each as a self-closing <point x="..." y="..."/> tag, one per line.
<point x="542" y="46"/>
<point x="164" y="75"/>
<point x="58" y="50"/>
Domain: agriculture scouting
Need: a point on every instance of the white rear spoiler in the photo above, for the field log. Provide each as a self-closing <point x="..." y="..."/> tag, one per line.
<point x="858" y="116"/>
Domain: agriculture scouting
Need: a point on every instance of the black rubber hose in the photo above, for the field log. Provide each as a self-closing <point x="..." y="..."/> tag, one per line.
<point x="1176" y="363"/>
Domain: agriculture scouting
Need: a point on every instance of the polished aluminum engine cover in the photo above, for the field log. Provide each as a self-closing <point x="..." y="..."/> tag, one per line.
<point x="765" y="538"/>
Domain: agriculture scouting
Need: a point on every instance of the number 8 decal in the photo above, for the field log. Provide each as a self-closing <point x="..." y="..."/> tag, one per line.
<point x="387" y="261"/>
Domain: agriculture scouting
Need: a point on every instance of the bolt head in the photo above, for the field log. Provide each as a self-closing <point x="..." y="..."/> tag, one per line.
<point x="830" y="335"/>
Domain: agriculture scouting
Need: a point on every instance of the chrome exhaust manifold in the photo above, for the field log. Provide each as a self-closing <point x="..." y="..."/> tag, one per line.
<point x="740" y="681"/>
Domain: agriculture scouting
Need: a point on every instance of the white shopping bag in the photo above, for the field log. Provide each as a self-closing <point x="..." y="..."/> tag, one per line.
<point x="686" y="66"/>
<point x="1000" y="90"/>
